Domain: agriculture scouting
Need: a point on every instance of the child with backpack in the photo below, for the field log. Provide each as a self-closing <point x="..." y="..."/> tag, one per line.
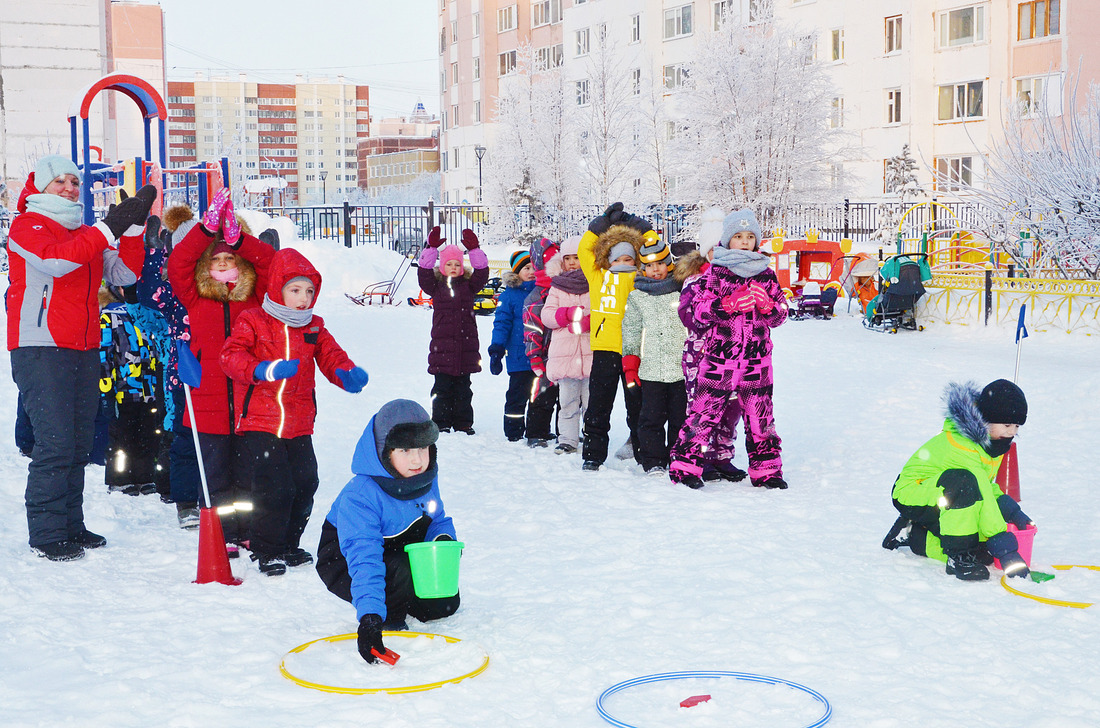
<point x="454" y="353"/>
<point x="653" y="350"/>
<point x="567" y="313"/>
<point x="737" y="303"/>
<point x="271" y="356"/>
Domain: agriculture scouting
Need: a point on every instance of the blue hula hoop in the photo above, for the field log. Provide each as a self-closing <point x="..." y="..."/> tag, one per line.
<point x="746" y="676"/>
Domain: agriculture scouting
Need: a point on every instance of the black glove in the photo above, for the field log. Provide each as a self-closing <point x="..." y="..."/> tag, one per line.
<point x="638" y="223"/>
<point x="130" y="294"/>
<point x="166" y="239"/>
<point x="130" y="211"/>
<point x="370" y="637"/>
<point x="1012" y="513"/>
<point x="153" y="239"/>
<point x="611" y="216"/>
<point x="271" y="237"/>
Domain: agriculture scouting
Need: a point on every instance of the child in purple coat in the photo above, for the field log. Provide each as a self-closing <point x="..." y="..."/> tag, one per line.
<point x="454" y="352"/>
<point x="737" y="301"/>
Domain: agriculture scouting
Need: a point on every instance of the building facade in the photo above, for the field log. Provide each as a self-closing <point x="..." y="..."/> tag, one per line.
<point x="307" y="132"/>
<point x="937" y="75"/>
<point x="398" y="151"/>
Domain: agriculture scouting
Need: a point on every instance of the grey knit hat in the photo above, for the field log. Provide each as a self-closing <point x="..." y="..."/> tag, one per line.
<point x="621" y="249"/>
<point x="655" y="252"/>
<point x="52" y="166"/>
<point x="740" y="221"/>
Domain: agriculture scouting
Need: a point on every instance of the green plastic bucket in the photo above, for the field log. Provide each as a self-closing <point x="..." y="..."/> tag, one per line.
<point x="434" y="566"/>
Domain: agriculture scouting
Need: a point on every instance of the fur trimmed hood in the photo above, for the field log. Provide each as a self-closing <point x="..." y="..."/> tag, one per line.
<point x="616" y="234"/>
<point x="961" y="408"/>
<point x="689" y="265"/>
<point x="467" y="271"/>
<point x="207" y="287"/>
<point x="511" y="280"/>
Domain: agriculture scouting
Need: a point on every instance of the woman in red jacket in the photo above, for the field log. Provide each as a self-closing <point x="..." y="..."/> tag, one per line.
<point x="56" y="264"/>
<point x="270" y="357"/>
<point x="218" y="271"/>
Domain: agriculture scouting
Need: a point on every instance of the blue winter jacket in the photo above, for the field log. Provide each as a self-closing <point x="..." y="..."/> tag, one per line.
<point x="508" y="322"/>
<point x="366" y="517"/>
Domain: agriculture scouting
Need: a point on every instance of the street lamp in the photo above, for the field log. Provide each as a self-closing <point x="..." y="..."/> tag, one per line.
<point x="479" y="152"/>
<point x="324" y="189"/>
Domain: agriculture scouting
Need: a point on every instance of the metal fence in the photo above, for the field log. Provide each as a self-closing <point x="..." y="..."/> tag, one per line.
<point x="404" y="227"/>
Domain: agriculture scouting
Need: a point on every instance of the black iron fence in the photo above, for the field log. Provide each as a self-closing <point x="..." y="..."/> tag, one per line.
<point x="403" y="228"/>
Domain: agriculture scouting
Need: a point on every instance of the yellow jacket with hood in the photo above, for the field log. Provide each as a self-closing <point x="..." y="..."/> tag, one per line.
<point x="608" y="291"/>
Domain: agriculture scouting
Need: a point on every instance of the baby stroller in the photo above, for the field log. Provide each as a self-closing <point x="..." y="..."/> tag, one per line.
<point x="815" y="301"/>
<point x="901" y="282"/>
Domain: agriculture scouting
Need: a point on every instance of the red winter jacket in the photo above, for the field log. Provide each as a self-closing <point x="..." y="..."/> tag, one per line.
<point x="53" y="299"/>
<point x="286" y="408"/>
<point x="212" y="308"/>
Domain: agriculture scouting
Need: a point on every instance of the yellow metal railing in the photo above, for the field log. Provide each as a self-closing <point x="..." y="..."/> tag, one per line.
<point x="1072" y="306"/>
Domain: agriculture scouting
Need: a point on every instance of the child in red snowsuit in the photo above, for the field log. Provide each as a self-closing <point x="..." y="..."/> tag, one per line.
<point x="271" y="354"/>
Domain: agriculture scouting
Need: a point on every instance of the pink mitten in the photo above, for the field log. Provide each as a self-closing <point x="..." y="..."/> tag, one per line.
<point x="231" y="228"/>
<point x="212" y="219"/>
<point x="739" y="302"/>
<point x="562" y="316"/>
<point x="582" y="325"/>
<point x="764" y="303"/>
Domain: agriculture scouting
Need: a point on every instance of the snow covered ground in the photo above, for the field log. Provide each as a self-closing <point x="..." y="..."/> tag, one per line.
<point x="573" y="582"/>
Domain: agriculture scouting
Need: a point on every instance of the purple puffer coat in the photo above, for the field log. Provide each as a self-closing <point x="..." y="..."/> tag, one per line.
<point x="454" y="348"/>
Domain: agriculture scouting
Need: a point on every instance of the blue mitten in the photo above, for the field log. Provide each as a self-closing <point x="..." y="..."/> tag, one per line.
<point x="270" y="371"/>
<point x="353" y="379"/>
<point x="496" y="354"/>
<point x="1012" y="513"/>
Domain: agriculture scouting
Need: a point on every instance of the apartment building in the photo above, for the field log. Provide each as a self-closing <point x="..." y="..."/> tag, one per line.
<point x="399" y="150"/>
<point x="934" y="74"/>
<point x="307" y="132"/>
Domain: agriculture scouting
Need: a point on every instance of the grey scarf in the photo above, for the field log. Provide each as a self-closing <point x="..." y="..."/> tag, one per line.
<point x="290" y="316"/>
<point x="657" y="288"/>
<point x="745" y="263"/>
<point x="66" y="213"/>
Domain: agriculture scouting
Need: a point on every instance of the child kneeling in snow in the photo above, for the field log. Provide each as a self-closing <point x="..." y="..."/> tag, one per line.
<point x="947" y="489"/>
<point x="271" y="354"/>
<point x="392" y="501"/>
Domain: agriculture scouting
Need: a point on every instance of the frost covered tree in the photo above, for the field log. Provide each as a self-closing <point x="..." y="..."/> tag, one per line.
<point x="654" y="162"/>
<point x="1043" y="180"/>
<point x="752" y="117"/>
<point x="901" y="182"/>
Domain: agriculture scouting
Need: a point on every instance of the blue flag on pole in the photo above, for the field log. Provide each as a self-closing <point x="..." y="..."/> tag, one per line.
<point x="188" y="366"/>
<point x="1021" y="330"/>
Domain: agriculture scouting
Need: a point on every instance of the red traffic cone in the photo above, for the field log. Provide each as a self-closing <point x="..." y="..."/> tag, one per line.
<point x="213" y="558"/>
<point x="1008" y="476"/>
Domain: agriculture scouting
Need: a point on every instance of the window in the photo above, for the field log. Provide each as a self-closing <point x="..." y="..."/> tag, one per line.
<point x="962" y="27"/>
<point x="443" y="161"/>
<point x="636" y="81"/>
<point x="545" y="12"/>
<point x="1038" y="19"/>
<point x="454" y="158"/>
<point x="476" y="22"/>
<point x="721" y="10"/>
<point x="442" y="87"/>
<point x="760" y="10"/>
<point x="549" y="57"/>
<point x="953" y="172"/>
<point x="477" y="112"/>
<point x="601" y="33"/>
<point x="836" y="113"/>
<point x="1040" y="93"/>
<point x="506" y="18"/>
<point x="674" y="76"/>
<point x="454" y="31"/>
<point x="893" y="106"/>
<point x="582" y="87"/>
<point x="677" y="22"/>
<point x="893" y="34"/>
<point x="583" y="40"/>
<point x="507" y="63"/>
<point x="443" y="121"/>
<point x="635" y="28"/>
<point x="454" y="119"/>
<point x="454" y="74"/>
<point x="442" y="44"/>
<point x="961" y="100"/>
<point x="838" y="44"/>
<point x="477" y="68"/>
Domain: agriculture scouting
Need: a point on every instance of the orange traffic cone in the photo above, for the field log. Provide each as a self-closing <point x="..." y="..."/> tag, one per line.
<point x="213" y="558"/>
<point x="1008" y="476"/>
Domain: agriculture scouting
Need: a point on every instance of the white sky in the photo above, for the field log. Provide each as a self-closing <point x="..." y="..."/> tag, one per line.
<point x="390" y="45"/>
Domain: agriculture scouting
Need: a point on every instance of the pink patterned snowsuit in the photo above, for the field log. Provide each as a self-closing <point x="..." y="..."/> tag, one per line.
<point x="735" y="368"/>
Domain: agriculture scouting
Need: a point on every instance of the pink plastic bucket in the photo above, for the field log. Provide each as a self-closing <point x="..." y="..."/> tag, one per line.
<point x="1026" y="539"/>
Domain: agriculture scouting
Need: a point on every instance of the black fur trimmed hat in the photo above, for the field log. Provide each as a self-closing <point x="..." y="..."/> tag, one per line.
<point x="1002" y="402"/>
<point x="403" y="424"/>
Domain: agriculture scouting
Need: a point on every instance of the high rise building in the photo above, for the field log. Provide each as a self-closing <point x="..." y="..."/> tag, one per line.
<point x="306" y="132"/>
<point x="398" y="151"/>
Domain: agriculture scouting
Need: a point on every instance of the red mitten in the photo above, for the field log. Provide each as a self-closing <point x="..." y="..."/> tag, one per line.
<point x="435" y="240"/>
<point x="740" y="301"/>
<point x="630" y="369"/>
<point x="538" y="366"/>
<point x="469" y="239"/>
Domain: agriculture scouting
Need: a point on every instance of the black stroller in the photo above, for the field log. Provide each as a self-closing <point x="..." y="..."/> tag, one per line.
<point x="901" y="282"/>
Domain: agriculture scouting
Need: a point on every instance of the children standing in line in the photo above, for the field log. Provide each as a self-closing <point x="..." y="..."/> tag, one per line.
<point x="392" y="501"/>
<point x="568" y="314"/>
<point x="608" y="255"/>
<point x="738" y="301"/>
<point x="454" y="352"/>
<point x="653" y="351"/>
<point x="524" y="415"/>
<point x="270" y="356"/>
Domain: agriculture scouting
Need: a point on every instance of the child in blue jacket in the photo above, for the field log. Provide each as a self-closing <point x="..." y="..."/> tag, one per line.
<point x="392" y="501"/>
<point x="522" y="416"/>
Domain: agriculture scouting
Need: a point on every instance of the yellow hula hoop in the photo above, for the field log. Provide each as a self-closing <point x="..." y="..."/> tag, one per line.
<point x="367" y="691"/>
<point x="1053" y="602"/>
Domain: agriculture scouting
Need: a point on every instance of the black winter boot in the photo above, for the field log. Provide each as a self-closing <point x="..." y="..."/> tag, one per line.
<point x="965" y="566"/>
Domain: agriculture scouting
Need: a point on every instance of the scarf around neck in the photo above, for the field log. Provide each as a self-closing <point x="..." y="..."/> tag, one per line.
<point x="573" y="282"/>
<point x="657" y="288"/>
<point x="290" y="316"/>
<point x="745" y="263"/>
<point x="225" y="276"/>
<point x="66" y="213"/>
